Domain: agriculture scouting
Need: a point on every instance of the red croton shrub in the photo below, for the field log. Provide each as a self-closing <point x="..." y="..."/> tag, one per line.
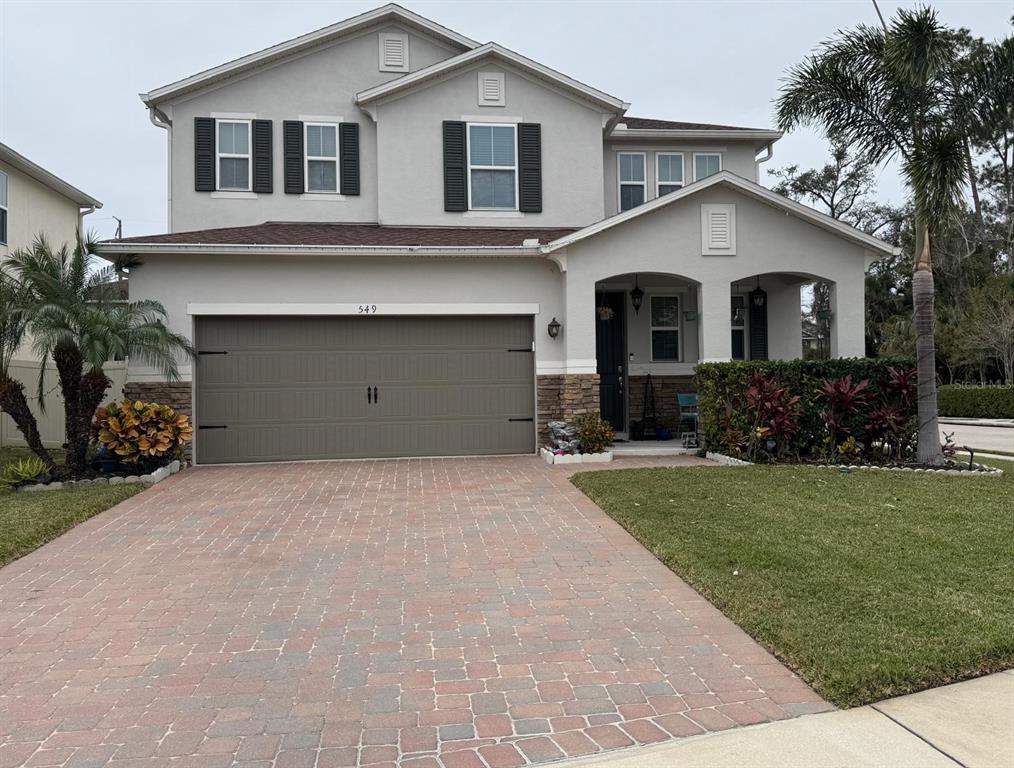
<point x="774" y="417"/>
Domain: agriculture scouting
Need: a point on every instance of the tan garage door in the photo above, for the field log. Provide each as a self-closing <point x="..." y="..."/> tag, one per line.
<point x="285" y="388"/>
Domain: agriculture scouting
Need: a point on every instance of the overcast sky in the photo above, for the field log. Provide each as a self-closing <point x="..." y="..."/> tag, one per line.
<point x="70" y="72"/>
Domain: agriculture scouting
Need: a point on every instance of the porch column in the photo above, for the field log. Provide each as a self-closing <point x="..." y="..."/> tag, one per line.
<point x="848" y="317"/>
<point x="579" y="325"/>
<point x="714" y="323"/>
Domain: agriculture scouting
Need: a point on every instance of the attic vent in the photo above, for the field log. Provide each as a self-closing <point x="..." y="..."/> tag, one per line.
<point x="491" y="89"/>
<point x="718" y="230"/>
<point x="393" y="52"/>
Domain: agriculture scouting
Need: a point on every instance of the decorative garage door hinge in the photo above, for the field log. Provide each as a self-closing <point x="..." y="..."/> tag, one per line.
<point x="212" y="426"/>
<point x="212" y="352"/>
<point x="528" y="419"/>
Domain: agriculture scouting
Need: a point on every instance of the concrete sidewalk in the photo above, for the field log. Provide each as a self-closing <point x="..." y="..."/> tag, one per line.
<point x="968" y="724"/>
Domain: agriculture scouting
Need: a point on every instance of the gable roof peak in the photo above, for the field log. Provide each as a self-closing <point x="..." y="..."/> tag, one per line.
<point x="322" y="36"/>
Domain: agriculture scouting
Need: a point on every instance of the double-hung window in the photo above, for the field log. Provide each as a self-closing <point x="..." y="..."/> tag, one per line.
<point x="233" y="148"/>
<point x="492" y="167"/>
<point x="321" y="157"/>
<point x="3" y="207"/>
<point x="632" y="183"/>
<point x="669" y="175"/>
<point x="665" y="329"/>
<point x="706" y="164"/>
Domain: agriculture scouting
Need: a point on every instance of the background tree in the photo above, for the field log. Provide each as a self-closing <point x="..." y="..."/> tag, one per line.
<point x="988" y="327"/>
<point x="900" y="92"/>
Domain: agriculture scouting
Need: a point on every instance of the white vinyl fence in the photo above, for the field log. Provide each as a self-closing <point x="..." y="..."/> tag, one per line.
<point x="51" y="422"/>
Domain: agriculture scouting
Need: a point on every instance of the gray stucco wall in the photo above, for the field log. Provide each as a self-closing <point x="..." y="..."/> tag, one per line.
<point x="321" y="83"/>
<point x="409" y="130"/>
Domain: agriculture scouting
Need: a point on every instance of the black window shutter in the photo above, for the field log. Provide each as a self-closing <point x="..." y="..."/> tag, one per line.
<point x="204" y="154"/>
<point x="758" y="325"/>
<point x="455" y="167"/>
<point x="530" y="168"/>
<point x="263" y="175"/>
<point x="3" y="226"/>
<point x="292" y="142"/>
<point x="348" y="140"/>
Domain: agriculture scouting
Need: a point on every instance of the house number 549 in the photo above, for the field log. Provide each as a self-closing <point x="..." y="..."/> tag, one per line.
<point x="367" y="309"/>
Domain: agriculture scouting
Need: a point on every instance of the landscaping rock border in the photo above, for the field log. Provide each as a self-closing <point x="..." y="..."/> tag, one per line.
<point x="978" y="470"/>
<point x="152" y="478"/>
<point x="576" y="458"/>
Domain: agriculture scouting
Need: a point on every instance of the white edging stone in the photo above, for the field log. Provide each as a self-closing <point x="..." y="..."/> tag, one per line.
<point x="730" y="461"/>
<point x="153" y="478"/>
<point x="576" y="458"/>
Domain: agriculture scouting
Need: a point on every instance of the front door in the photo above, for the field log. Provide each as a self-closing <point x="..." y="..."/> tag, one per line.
<point x="611" y="354"/>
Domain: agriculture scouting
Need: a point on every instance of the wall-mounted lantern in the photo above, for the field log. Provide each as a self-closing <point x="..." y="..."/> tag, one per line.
<point x="554" y="328"/>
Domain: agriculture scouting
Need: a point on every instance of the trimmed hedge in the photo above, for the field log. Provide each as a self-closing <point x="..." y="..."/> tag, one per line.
<point x="972" y="402"/>
<point x="722" y="384"/>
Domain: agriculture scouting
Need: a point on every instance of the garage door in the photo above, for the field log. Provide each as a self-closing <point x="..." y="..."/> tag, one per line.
<point x="285" y="388"/>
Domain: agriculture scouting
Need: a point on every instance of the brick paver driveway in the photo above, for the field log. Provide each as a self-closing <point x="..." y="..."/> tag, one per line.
<point x="415" y="613"/>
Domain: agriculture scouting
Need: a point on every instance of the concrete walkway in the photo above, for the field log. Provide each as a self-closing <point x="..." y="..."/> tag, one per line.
<point x="968" y="724"/>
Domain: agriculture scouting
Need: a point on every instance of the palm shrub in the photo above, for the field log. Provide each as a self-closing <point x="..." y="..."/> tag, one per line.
<point x="13" y="321"/>
<point x="74" y="318"/>
<point x="906" y="91"/>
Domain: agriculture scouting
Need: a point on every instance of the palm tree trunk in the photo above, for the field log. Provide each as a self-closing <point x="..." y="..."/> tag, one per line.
<point x="93" y="388"/>
<point x="15" y="405"/>
<point x="69" y="366"/>
<point x="928" y="448"/>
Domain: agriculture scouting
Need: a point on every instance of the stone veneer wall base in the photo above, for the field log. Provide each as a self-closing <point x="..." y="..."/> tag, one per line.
<point x="562" y="396"/>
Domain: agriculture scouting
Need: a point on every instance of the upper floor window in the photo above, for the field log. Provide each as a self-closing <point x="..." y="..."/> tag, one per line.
<point x="321" y="157"/>
<point x="706" y="164"/>
<point x="665" y="328"/>
<point x="233" y="150"/>
<point x="670" y="172"/>
<point x="3" y="207"/>
<point x="632" y="183"/>
<point x="492" y="167"/>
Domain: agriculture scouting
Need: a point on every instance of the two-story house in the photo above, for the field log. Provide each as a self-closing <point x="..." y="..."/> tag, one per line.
<point x="387" y="239"/>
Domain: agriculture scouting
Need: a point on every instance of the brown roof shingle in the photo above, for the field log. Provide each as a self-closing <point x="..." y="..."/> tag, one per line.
<point x="310" y="233"/>
<point x="641" y="123"/>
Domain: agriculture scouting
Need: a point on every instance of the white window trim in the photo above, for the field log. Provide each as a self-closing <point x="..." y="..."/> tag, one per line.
<point x="620" y="183"/>
<point x="706" y="154"/>
<point x="307" y="158"/>
<point x="746" y="323"/>
<point x="233" y="194"/>
<point x="468" y="156"/>
<point x="248" y="156"/>
<point x="382" y="38"/>
<point x="5" y="205"/>
<point x="678" y="327"/>
<point x="683" y="165"/>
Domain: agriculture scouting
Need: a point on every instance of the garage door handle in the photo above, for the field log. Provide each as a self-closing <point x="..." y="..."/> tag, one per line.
<point x="369" y="395"/>
<point x="376" y="398"/>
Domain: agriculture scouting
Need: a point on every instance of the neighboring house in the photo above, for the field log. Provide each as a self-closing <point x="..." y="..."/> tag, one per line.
<point x="33" y="202"/>
<point x="389" y="240"/>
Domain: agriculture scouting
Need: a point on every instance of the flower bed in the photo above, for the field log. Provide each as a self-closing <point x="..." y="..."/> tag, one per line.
<point x="151" y="478"/>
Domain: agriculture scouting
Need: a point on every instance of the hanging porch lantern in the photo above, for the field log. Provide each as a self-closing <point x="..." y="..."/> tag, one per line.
<point x="636" y="296"/>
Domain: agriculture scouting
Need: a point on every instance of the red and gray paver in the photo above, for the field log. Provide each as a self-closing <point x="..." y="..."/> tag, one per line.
<point x="425" y="613"/>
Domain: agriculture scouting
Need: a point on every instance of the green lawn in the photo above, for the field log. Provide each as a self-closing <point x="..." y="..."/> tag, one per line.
<point x="29" y="520"/>
<point x="868" y="585"/>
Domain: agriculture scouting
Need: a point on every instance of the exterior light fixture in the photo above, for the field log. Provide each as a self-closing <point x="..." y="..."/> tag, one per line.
<point x="757" y="296"/>
<point x="636" y="296"/>
<point x="554" y="328"/>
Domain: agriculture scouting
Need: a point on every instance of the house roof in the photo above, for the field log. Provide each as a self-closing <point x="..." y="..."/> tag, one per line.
<point x="650" y="128"/>
<point x="498" y="52"/>
<point x="272" y="235"/>
<point x="51" y="180"/>
<point x="389" y="12"/>
<point x="745" y="186"/>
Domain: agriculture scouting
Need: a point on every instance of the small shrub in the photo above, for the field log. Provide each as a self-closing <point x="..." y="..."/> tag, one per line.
<point x="142" y="433"/>
<point x="844" y="400"/>
<point x="594" y="434"/>
<point x="976" y="402"/>
<point x="22" y="471"/>
<point x="773" y="415"/>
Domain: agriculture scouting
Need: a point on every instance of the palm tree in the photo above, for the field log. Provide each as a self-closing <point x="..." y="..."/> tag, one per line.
<point x="13" y="322"/>
<point x="900" y="92"/>
<point x="75" y="319"/>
